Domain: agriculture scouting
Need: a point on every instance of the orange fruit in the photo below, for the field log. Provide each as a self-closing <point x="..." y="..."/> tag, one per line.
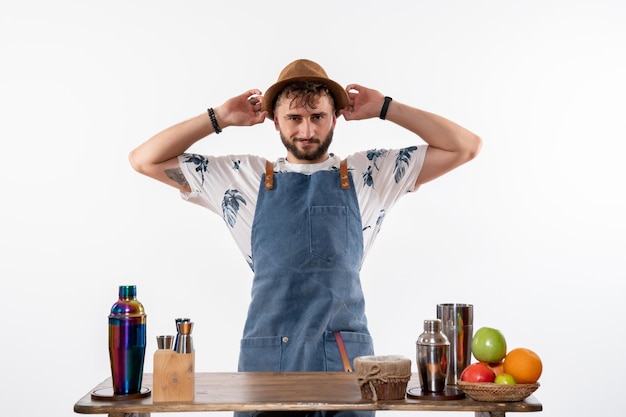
<point x="524" y="365"/>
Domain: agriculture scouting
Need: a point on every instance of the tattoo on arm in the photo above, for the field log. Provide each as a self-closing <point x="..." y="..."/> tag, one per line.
<point x="176" y="175"/>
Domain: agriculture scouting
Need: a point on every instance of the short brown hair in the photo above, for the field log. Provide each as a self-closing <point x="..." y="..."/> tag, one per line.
<point x="305" y="93"/>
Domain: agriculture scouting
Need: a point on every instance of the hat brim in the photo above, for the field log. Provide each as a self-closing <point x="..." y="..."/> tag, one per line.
<point x="339" y="94"/>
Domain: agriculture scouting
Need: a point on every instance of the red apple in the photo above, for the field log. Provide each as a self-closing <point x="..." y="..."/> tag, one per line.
<point x="478" y="372"/>
<point x="496" y="367"/>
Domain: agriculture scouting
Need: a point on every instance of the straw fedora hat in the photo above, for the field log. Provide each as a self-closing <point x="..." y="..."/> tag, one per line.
<point x="303" y="70"/>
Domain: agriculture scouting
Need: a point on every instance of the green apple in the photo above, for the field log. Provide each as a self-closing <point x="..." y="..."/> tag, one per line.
<point x="488" y="345"/>
<point x="506" y="379"/>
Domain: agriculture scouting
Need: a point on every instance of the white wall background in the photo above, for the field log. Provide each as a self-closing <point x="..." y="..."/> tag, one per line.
<point x="532" y="232"/>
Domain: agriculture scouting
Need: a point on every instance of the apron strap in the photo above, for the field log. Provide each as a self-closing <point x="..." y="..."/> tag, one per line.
<point x="343" y="175"/>
<point x="343" y="352"/>
<point x="269" y="175"/>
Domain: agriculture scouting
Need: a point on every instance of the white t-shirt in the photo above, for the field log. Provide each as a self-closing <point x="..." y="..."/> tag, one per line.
<point x="229" y="185"/>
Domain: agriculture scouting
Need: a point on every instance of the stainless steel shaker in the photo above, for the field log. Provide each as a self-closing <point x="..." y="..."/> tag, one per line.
<point x="432" y="357"/>
<point x="184" y="341"/>
<point x="457" y="324"/>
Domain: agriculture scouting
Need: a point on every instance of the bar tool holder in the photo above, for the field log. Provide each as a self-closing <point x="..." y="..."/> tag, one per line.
<point x="174" y="370"/>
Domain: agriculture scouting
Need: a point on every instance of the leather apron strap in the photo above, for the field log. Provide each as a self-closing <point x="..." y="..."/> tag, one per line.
<point x="269" y="175"/>
<point x="343" y="175"/>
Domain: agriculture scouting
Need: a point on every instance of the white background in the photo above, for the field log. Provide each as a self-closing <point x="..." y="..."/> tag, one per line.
<point x="532" y="232"/>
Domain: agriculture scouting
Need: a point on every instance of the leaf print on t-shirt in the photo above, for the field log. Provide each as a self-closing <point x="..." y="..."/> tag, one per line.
<point x="381" y="217"/>
<point x="374" y="154"/>
<point x="402" y="161"/>
<point x="199" y="161"/>
<point x="230" y="206"/>
<point x="367" y="177"/>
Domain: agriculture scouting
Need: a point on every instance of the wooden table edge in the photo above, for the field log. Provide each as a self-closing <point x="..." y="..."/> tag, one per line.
<point x="87" y="405"/>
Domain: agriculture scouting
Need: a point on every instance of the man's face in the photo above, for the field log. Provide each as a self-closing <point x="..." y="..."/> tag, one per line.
<point x="306" y="132"/>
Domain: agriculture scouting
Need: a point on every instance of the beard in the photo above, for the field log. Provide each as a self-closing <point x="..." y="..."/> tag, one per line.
<point x="308" y="154"/>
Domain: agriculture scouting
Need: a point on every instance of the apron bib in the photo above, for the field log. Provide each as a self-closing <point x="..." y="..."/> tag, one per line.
<point x="307" y="244"/>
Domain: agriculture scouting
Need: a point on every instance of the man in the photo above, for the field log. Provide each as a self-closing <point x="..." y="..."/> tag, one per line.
<point x="305" y="221"/>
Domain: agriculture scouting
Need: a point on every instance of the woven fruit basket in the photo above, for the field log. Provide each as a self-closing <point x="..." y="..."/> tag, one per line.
<point x="486" y="391"/>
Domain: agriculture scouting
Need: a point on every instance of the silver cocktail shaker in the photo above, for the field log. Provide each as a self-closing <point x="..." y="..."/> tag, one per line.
<point x="432" y="357"/>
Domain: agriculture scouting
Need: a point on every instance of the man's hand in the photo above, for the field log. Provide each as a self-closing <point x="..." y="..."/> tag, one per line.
<point x="242" y="110"/>
<point x="364" y="103"/>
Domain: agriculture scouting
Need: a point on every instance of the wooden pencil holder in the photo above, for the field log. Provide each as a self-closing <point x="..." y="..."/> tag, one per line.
<point x="174" y="376"/>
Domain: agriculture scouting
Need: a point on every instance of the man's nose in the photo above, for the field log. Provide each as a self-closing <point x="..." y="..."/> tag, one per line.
<point x="306" y="129"/>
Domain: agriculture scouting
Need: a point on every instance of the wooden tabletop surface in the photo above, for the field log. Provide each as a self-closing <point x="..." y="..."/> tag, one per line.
<point x="288" y="391"/>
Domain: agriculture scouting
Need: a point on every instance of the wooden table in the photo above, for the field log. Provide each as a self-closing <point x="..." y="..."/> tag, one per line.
<point x="289" y="391"/>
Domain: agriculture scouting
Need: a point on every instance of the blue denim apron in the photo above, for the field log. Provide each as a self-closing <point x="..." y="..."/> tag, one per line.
<point x="307" y="245"/>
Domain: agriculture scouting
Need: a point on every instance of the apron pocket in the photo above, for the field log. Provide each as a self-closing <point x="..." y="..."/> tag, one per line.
<point x="357" y="344"/>
<point x="260" y="354"/>
<point x="328" y="226"/>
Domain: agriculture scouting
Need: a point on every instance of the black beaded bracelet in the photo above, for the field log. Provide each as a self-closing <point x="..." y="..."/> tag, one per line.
<point x="216" y="127"/>
<point x="383" y="111"/>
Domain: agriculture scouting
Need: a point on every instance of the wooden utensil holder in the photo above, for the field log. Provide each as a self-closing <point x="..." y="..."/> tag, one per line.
<point x="174" y="376"/>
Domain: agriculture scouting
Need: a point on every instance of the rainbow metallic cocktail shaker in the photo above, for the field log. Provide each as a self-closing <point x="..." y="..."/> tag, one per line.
<point x="127" y="341"/>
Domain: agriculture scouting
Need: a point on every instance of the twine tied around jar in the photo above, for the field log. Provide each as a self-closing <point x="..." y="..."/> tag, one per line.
<point x="381" y="369"/>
